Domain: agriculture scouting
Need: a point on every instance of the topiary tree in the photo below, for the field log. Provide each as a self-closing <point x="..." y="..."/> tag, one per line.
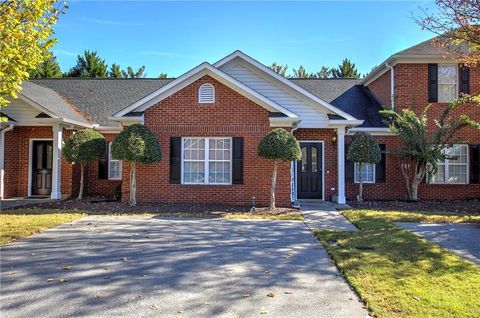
<point x="278" y="145"/>
<point x="136" y="144"/>
<point x="363" y="149"/>
<point x="83" y="147"/>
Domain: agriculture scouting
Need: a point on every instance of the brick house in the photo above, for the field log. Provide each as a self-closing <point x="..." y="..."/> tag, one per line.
<point x="210" y="120"/>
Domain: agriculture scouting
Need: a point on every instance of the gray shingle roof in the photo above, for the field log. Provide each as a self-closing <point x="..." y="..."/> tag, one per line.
<point x="326" y="89"/>
<point x="428" y="49"/>
<point x="101" y="98"/>
<point x="52" y="101"/>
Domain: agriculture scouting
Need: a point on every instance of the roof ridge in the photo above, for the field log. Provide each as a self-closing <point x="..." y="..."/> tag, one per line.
<point x="100" y="78"/>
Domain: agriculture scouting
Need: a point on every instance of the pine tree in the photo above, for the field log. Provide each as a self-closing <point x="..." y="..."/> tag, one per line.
<point x="163" y="75"/>
<point x="48" y="68"/>
<point x="130" y="73"/>
<point x="115" y="71"/>
<point x="279" y="68"/>
<point x="325" y="72"/>
<point x="89" y="65"/>
<point x="301" y="72"/>
<point x="346" y="70"/>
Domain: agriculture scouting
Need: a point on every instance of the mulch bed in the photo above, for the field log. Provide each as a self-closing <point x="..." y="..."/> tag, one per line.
<point x="97" y="205"/>
<point x="453" y="206"/>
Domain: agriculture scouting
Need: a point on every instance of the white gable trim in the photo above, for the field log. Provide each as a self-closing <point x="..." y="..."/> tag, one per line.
<point x="285" y="81"/>
<point x="195" y="74"/>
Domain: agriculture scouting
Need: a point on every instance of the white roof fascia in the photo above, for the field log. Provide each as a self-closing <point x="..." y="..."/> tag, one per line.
<point x="37" y="106"/>
<point x="283" y="122"/>
<point x="375" y="131"/>
<point x="282" y="79"/>
<point x="194" y="74"/>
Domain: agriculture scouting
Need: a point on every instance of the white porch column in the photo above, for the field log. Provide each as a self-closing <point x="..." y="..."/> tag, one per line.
<point x="341" y="165"/>
<point x="2" y="160"/>
<point x="57" y="162"/>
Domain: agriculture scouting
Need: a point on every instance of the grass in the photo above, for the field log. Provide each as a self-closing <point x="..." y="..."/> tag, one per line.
<point x="399" y="274"/>
<point x="15" y="226"/>
<point x="425" y="217"/>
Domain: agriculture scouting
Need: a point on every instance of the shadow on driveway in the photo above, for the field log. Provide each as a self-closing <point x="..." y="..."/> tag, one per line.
<point x="151" y="266"/>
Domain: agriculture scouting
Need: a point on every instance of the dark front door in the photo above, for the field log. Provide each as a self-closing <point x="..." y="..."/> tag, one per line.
<point x="309" y="171"/>
<point x="42" y="155"/>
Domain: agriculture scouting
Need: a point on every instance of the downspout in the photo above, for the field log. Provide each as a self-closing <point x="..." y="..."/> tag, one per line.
<point x="392" y="85"/>
<point x="2" y="159"/>
<point x="293" y="197"/>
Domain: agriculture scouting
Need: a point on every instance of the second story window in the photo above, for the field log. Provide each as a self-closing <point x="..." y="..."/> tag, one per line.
<point x="206" y="94"/>
<point x="447" y="83"/>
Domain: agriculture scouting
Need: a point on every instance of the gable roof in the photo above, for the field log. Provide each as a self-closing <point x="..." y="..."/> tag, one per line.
<point x="280" y="78"/>
<point x="52" y="104"/>
<point x="100" y="98"/>
<point x="326" y="89"/>
<point x="195" y="74"/>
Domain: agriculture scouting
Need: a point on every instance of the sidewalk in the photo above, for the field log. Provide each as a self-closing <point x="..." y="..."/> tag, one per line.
<point x="323" y="215"/>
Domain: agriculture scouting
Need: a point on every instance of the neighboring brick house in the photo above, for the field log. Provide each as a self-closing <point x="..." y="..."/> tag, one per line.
<point x="210" y="120"/>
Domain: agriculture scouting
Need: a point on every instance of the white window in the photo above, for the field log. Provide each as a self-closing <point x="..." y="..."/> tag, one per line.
<point x="447" y="83"/>
<point x="206" y="94"/>
<point x="206" y="160"/>
<point x="114" y="166"/>
<point x="368" y="172"/>
<point x="453" y="170"/>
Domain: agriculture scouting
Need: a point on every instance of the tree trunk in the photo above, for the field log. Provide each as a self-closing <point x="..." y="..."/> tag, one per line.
<point x="133" y="184"/>
<point x="274" y="183"/>
<point x="80" y="192"/>
<point x="360" y="184"/>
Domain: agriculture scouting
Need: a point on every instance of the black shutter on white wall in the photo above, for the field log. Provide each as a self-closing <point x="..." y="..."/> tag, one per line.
<point x="464" y="80"/>
<point x="349" y="168"/>
<point x="432" y="83"/>
<point x="175" y="159"/>
<point x="237" y="160"/>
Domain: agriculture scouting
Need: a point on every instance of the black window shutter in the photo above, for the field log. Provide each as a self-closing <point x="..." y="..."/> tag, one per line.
<point x="237" y="160"/>
<point x="175" y="159"/>
<point x="349" y="168"/>
<point x="380" y="167"/>
<point x="464" y="80"/>
<point x="103" y="164"/>
<point x="474" y="163"/>
<point x="432" y="83"/>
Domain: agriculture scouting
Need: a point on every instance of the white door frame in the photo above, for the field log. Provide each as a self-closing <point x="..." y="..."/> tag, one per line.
<point x="295" y="177"/>
<point x="30" y="161"/>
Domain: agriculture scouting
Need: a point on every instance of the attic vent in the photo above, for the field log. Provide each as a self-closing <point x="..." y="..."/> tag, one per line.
<point x="206" y="94"/>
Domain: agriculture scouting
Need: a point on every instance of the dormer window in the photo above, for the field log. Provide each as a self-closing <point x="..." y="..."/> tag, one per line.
<point x="206" y="94"/>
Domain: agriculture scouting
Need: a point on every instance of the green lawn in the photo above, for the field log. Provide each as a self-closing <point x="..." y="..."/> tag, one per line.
<point x="399" y="274"/>
<point x="15" y="226"/>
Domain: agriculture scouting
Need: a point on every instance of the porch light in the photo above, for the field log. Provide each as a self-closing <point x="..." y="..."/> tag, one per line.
<point x="334" y="139"/>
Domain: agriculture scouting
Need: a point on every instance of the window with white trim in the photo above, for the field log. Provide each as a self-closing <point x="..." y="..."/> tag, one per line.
<point x="206" y="160"/>
<point x="206" y="94"/>
<point x="453" y="170"/>
<point x="447" y="83"/>
<point x="114" y="166"/>
<point x="368" y="173"/>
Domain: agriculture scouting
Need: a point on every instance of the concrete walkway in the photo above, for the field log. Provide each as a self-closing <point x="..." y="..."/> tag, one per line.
<point x="324" y="216"/>
<point x="120" y="266"/>
<point x="16" y="202"/>
<point x="461" y="239"/>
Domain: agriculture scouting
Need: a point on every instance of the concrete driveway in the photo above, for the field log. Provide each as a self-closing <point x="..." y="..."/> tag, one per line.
<point x="461" y="239"/>
<point x="105" y="266"/>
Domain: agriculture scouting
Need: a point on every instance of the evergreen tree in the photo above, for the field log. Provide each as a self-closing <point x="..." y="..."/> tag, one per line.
<point x="115" y="71"/>
<point x="301" y="72"/>
<point x="48" y="68"/>
<point x="130" y="73"/>
<point x="162" y="75"/>
<point x="89" y="65"/>
<point x="279" y="68"/>
<point x="325" y="72"/>
<point x="346" y="70"/>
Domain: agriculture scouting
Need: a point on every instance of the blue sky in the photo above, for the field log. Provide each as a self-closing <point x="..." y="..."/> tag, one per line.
<point x="173" y="37"/>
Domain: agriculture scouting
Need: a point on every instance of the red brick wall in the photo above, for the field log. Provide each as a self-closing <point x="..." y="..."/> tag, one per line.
<point x="330" y="156"/>
<point x="95" y="186"/>
<point x="232" y="115"/>
<point x="16" y="160"/>
<point x="381" y="88"/>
